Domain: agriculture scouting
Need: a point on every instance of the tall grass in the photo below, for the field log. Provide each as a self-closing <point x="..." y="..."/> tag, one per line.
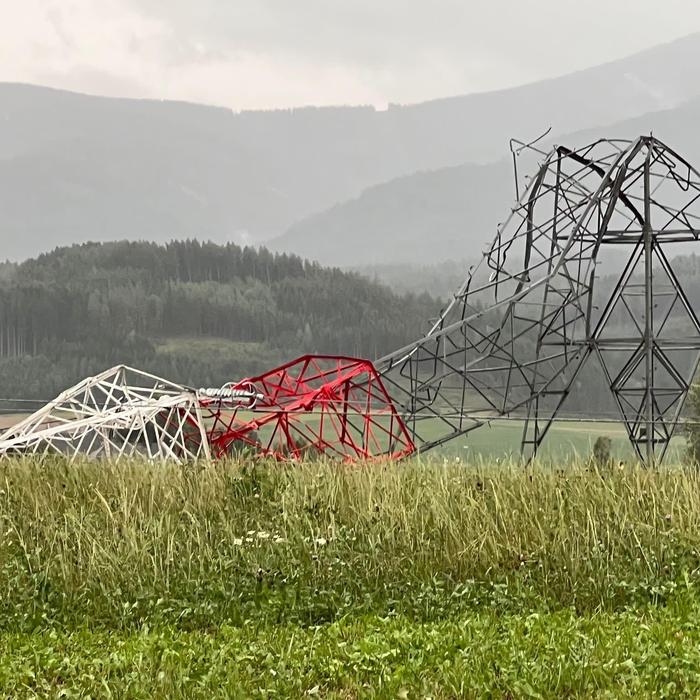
<point x="139" y="544"/>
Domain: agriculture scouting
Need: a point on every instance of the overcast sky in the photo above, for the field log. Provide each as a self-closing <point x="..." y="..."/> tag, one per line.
<point x="279" y="53"/>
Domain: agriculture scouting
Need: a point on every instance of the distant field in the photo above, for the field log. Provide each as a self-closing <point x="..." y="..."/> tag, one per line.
<point x="566" y="441"/>
<point x="7" y="420"/>
<point x="498" y="440"/>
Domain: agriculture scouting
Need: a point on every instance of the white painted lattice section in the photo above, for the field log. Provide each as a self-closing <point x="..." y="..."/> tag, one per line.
<point x="121" y="413"/>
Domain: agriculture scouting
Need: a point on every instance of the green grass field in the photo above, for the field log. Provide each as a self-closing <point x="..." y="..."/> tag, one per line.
<point x="500" y="440"/>
<point x="424" y="579"/>
<point x="566" y="441"/>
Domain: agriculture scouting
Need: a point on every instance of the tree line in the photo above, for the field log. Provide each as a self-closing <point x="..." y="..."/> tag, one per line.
<point x="79" y="309"/>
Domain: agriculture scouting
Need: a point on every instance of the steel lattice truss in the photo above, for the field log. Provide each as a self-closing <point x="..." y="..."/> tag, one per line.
<point x="517" y="333"/>
<point x="118" y="414"/>
<point x="511" y="342"/>
<point x="316" y="405"/>
<point x="336" y="406"/>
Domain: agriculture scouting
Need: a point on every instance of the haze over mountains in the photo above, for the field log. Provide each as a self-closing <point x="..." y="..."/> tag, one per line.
<point x="449" y="213"/>
<point x="345" y="185"/>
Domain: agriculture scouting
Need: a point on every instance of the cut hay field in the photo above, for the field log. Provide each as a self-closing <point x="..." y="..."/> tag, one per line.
<point x="424" y="579"/>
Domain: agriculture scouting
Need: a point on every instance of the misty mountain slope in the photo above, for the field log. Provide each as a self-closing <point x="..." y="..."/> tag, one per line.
<point x="476" y="127"/>
<point x="414" y="219"/>
<point x="452" y="213"/>
<point x="75" y="167"/>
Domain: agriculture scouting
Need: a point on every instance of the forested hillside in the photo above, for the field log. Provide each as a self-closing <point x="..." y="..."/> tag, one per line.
<point x="198" y="313"/>
<point x="204" y="314"/>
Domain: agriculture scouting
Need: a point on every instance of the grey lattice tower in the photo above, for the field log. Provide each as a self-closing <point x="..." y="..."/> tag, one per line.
<point x="517" y="334"/>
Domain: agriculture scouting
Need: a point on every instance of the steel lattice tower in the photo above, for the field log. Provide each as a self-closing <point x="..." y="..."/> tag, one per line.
<point x="517" y="339"/>
<point x="533" y="313"/>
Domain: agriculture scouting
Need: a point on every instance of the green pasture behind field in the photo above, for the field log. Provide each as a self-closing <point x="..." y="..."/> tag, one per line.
<point x="500" y="440"/>
<point x="566" y="441"/>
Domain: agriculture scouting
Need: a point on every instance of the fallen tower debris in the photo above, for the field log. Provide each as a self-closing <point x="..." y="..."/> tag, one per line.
<point x="335" y="406"/>
<point x="511" y="342"/>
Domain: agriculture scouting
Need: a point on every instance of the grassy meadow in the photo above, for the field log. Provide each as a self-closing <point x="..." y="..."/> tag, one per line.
<point x="429" y="578"/>
<point x="566" y="442"/>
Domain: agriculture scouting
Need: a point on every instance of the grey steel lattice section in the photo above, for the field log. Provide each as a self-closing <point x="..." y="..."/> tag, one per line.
<point x="517" y="333"/>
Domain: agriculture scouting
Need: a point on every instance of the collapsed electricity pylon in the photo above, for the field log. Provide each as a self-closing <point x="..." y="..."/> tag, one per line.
<point x="117" y="414"/>
<point x="316" y="405"/>
<point x="518" y="332"/>
<point x="511" y="342"/>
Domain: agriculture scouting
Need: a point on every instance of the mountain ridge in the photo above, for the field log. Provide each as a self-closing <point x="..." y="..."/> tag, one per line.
<point x="460" y="207"/>
<point x="76" y="168"/>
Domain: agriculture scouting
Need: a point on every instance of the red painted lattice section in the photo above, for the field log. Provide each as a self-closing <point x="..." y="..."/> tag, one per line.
<point x="315" y="405"/>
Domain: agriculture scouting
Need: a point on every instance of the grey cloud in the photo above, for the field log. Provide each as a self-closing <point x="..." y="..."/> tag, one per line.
<point x="412" y="45"/>
<point x="56" y="19"/>
<point x="277" y="53"/>
<point x="371" y="31"/>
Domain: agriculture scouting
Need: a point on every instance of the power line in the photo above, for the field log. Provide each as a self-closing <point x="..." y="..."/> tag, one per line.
<point x="607" y="417"/>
